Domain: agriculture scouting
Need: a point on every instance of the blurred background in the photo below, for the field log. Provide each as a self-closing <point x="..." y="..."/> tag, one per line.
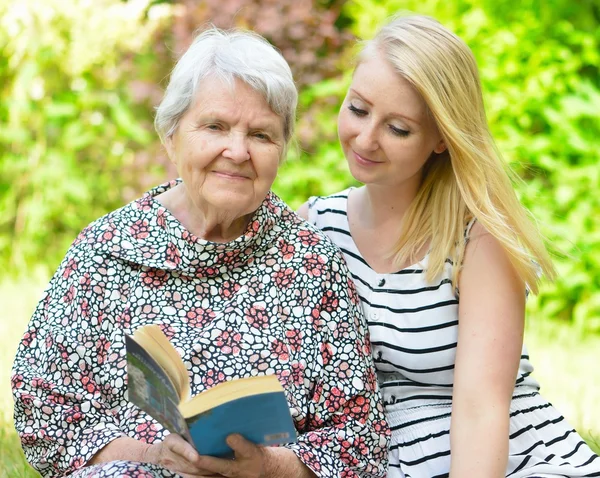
<point x="79" y="80"/>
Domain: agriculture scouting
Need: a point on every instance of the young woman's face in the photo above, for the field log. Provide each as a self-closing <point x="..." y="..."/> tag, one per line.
<point x="384" y="126"/>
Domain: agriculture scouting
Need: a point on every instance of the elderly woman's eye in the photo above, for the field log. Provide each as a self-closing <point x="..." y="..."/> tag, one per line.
<point x="214" y="127"/>
<point x="262" y="136"/>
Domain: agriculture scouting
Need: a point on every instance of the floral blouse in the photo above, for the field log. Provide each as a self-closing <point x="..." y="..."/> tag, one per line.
<point x="276" y="300"/>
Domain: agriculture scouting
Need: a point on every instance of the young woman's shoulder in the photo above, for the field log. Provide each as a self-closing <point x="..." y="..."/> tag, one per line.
<point x="487" y="261"/>
<point x="317" y="205"/>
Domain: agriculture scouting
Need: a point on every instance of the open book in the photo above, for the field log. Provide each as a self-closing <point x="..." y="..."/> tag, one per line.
<point x="158" y="383"/>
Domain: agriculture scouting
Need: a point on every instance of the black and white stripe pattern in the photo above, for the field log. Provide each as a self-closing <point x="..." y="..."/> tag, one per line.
<point x="414" y="329"/>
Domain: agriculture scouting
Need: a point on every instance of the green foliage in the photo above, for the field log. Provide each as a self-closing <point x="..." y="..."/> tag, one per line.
<point x="69" y="127"/>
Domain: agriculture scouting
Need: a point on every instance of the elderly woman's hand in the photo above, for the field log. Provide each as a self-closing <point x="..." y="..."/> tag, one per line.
<point x="176" y="454"/>
<point x="253" y="461"/>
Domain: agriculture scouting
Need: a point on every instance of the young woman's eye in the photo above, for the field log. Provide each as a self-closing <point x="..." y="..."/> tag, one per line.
<point x="398" y="131"/>
<point x="356" y="111"/>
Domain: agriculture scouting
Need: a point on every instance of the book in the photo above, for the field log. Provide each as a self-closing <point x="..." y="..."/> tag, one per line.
<point x="158" y="383"/>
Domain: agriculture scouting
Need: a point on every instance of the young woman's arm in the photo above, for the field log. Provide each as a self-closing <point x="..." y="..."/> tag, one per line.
<point x="490" y="339"/>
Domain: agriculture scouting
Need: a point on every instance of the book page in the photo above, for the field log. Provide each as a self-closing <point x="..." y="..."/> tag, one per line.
<point x="150" y="388"/>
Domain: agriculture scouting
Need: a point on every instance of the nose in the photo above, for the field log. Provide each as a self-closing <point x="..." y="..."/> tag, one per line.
<point x="366" y="139"/>
<point x="237" y="148"/>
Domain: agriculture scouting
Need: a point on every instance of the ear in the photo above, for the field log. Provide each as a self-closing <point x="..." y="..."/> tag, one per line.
<point x="440" y="147"/>
<point x="170" y="147"/>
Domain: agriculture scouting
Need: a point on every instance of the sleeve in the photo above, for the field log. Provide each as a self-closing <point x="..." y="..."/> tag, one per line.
<point x="346" y="431"/>
<point x="63" y="412"/>
<point x="312" y="209"/>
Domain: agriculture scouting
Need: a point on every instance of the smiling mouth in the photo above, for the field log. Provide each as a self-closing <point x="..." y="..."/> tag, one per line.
<point x="362" y="160"/>
<point x="230" y="175"/>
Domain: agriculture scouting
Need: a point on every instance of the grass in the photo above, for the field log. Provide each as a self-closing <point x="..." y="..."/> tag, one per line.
<point x="566" y="367"/>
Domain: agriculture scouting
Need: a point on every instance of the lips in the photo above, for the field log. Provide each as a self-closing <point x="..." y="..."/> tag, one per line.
<point x="231" y="174"/>
<point x="364" y="161"/>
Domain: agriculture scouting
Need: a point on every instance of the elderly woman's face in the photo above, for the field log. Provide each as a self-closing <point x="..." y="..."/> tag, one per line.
<point x="228" y="147"/>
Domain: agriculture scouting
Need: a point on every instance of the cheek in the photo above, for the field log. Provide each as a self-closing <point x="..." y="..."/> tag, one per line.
<point x="343" y="126"/>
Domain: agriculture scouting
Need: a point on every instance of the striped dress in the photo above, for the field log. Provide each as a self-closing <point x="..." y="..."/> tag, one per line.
<point x="414" y="327"/>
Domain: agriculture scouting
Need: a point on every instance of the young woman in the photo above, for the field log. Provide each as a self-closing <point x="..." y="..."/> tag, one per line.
<point x="442" y="254"/>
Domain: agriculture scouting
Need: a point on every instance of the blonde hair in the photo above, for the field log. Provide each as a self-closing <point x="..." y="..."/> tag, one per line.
<point x="470" y="179"/>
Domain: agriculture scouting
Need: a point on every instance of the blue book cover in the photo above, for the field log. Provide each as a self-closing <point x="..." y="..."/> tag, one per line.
<point x="263" y="419"/>
<point x="242" y="406"/>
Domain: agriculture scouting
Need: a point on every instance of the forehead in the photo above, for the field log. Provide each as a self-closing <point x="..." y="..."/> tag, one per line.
<point x="232" y="101"/>
<point x="378" y="83"/>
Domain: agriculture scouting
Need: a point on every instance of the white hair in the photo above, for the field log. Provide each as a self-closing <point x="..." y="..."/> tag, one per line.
<point x="229" y="54"/>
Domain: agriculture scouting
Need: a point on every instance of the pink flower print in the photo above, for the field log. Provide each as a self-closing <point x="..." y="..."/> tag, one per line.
<point x="85" y="308"/>
<point x="359" y="408"/>
<point x="17" y="381"/>
<point x="326" y="353"/>
<point x="329" y="301"/>
<point x="154" y="278"/>
<point x="294" y="338"/>
<point x="85" y="282"/>
<point x="280" y="349"/>
<point x="89" y="385"/>
<point x="317" y="392"/>
<point x="139" y="229"/>
<point x="77" y="463"/>
<point x="146" y="432"/>
<point x="109" y="233"/>
<point x="346" y="456"/>
<point x="370" y="380"/>
<point x="354" y="298"/>
<point x="335" y="400"/>
<point x="70" y="295"/>
<point x="173" y="255"/>
<point x="38" y="382"/>
<point x="28" y="438"/>
<point x="168" y="330"/>
<point x="297" y="373"/>
<point x="257" y="317"/>
<point x="285" y="277"/>
<point x="381" y="426"/>
<point x="313" y="264"/>
<point x="124" y="319"/>
<point x="229" y="341"/>
<point x="348" y="474"/>
<point x="286" y="250"/>
<point x="161" y="218"/>
<point x="212" y="377"/>
<point x="252" y="228"/>
<point x="228" y="289"/>
<point x="308" y="238"/>
<point x="28" y="338"/>
<point x="145" y="203"/>
<point x="199" y="317"/>
<point x="308" y="456"/>
<point x="72" y="415"/>
<point x="69" y="268"/>
<point x="56" y="398"/>
<point x="102" y="346"/>
<point x="318" y="440"/>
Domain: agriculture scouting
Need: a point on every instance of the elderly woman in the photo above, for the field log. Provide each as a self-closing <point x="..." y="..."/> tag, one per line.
<point x="180" y="257"/>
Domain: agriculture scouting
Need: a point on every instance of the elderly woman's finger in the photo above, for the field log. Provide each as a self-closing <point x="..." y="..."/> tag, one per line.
<point x="179" y="446"/>
<point x="242" y="448"/>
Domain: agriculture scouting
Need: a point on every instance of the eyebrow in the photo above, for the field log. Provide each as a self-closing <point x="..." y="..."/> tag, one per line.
<point x="267" y="126"/>
<point x="391" y="115"/>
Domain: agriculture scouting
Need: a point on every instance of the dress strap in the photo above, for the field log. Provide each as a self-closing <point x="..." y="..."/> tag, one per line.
<point x="468" y="229"/>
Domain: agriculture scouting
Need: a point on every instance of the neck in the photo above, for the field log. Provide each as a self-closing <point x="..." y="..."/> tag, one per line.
<point x="203" y="220"/>
<point x="382" y="205"/>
